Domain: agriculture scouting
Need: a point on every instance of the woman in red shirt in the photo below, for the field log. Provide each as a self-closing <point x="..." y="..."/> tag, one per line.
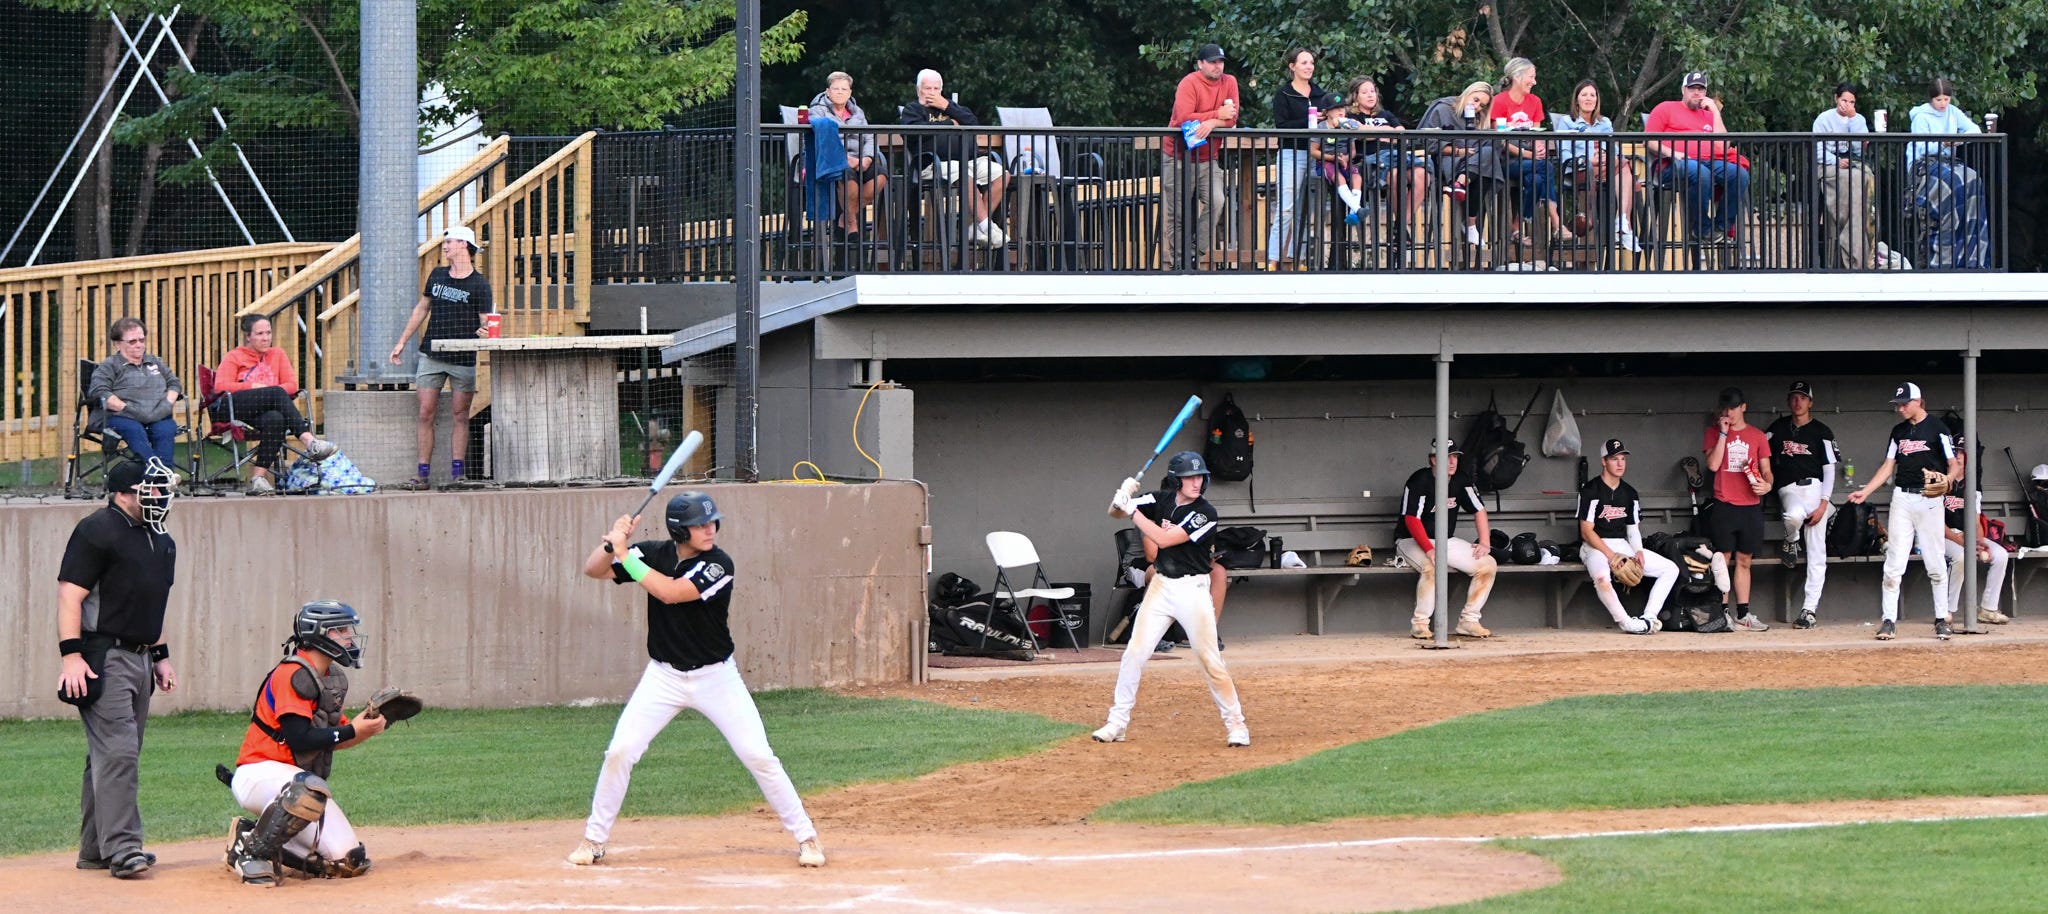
<point x="1529" y="162"/>
<point x="260" y="384"/>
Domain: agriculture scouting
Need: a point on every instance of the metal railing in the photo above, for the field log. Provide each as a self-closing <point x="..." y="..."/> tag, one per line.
<point x="1093" y="199"/>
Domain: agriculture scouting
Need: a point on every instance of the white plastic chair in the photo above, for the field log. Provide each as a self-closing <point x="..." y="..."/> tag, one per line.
<point x="1014" y="550"/>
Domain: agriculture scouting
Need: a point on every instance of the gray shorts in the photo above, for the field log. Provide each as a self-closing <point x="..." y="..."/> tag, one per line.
<point x="432" y="373"/>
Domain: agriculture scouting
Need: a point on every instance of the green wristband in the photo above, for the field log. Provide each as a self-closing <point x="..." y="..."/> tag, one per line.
<point x="635" y="568"/>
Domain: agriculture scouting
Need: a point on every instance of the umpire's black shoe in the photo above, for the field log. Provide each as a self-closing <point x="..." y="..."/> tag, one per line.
<point x="133" y="865"/>
<point x="94" y="863"/>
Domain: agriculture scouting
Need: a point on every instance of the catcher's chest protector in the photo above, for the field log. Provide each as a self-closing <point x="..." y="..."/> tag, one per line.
<point x="332" y="690"/>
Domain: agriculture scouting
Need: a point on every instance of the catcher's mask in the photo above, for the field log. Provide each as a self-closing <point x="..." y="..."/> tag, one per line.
<point x="691" y="509"/>
<point x="332" y="628"/>
<point x="152" y="484"/>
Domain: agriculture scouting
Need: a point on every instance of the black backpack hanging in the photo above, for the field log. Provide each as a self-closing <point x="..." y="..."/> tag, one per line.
<point x="1496" y="458"/>
<point x="1229" y="451"/>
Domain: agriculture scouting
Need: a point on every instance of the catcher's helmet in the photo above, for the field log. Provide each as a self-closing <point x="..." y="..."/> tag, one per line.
<point x="691" y="509"/>
<point x="317" y="623"/>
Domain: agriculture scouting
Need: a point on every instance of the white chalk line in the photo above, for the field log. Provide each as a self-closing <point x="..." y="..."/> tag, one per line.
<point x="981" y="859"/>
<point x="861" y="898"/>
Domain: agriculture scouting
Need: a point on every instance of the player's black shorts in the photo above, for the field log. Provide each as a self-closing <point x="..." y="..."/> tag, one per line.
<point x="1737" y="528"/>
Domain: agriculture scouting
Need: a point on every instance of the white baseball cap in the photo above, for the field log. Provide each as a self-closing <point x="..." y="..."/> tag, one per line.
<point x="2041" y="471"/>
<point x="460" y="233"/>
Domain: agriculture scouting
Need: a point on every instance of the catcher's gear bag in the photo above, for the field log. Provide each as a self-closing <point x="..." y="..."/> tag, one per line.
<point x="1360" y="555"/>
<point x="1628" y="571"/>
<point x="394" y="705"/>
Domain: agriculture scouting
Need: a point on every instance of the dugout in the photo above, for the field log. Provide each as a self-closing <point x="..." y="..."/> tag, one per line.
<point x="1021" y="400"/>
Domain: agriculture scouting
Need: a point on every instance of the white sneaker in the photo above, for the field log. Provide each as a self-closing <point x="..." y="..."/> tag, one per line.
<point x="587" y="852"/>
<point x="261" y="485"/>
<point x="1472" y="236"/>
<point x="994" y="237"/>
<point x="808" y="853"/>
<point x="321" y="449"/>
<point x="1628" y="240"/>
<point x="1110" y="733"/>
<point x="1239" y="736"/>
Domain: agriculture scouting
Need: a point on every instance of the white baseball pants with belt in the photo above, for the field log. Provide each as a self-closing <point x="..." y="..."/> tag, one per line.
<point x="1798" y="501"/>
<point x="1994" y="579"/>
<point x="257" y="783"/>
<point x="1481" y="569"/>
<point x="1169" y="600"/>
<point x="718" y="693"/>
<point x="1915" y="518"/>
<point x="1662" y="571"/>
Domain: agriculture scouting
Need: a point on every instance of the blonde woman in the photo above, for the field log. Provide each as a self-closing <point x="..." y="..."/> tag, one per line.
<point x="1468" y="169"/>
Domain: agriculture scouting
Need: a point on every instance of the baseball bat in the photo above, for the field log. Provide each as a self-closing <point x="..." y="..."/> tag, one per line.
<point x="2032" y="510"/>
<point x="691" y="442"/>
<point x="1187" y="410"/>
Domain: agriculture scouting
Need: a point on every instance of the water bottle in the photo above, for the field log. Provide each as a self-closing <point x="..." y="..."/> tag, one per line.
<point x="1471" y="117"/>
<point x="1880" y="124"/>
<point x="1849" y="472"/>
<point x="1313" y="113"/>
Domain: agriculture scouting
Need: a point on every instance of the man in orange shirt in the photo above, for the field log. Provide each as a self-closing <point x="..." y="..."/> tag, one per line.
<point x="295" y="727"/>
<point x="259" y="382"/>
<point x="1205" y="100"/>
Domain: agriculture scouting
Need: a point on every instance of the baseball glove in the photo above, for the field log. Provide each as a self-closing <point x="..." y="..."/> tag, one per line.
<point x="1934" y="485"/>
<point x="1360" y="555"/>
<point x="394" y="705"/>
<point x="1628" y="572"/>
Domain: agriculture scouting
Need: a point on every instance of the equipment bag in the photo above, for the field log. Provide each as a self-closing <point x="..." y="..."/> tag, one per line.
<point x="960" y="631"/>
<point x="1853" y="530"/>
<point x="1241" y="547"/>
<point x="1496" y="457"/>
<point x="1229" y="451"/>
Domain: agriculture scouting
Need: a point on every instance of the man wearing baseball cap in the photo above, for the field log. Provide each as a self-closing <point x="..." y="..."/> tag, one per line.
<point x="1415" y="542"/>
<point x="1610" y="526"/>
<point x="1205" y="100"/>
<point x="1702" y="171"/>
<point x="1803" y="459"/>
<point x="1740" y="459"/>
<point x="1925" y="457"/>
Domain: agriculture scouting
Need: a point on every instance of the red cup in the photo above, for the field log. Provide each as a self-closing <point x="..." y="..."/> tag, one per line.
<point x="491" y="326"/>
<point x="803" y="115"/>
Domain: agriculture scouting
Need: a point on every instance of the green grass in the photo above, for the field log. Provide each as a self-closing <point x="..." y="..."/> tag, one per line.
<point x="1648" y="751"/>
<point x="1981" y="866"/>
<point x="533" y="763"/>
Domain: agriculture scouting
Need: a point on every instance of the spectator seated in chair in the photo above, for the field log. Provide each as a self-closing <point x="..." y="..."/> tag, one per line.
<point x="137" y="391"/>
<point x="953" y="156"/>
<point x="866" y="171"/>
<point x="257" y="385"/>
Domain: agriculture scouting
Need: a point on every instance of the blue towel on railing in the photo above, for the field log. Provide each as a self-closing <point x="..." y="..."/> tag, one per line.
<point x="827" y="157"/>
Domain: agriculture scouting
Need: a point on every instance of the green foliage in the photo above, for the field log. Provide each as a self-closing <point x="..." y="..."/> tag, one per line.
<point x="528" y="763"/>
<point x="1648" y="751"/>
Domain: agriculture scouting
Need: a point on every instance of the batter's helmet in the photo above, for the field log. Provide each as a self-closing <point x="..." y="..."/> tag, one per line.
<point x="1524" y="551"/>
<point x="691" y="509"/>
<point x="315" y="624"/>
<point x="1185" y="464"/>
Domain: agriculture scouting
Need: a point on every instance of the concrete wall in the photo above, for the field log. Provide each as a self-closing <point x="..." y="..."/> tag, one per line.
<point x="809" y="407"/>
<point x="477" y="599"/>
<point x="1042" y="459"/>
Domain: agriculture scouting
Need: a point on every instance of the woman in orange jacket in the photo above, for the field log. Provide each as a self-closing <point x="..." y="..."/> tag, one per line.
<point x="259" y="382"/>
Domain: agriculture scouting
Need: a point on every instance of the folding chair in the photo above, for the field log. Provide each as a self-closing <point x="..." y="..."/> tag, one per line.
<point x="89" y="426"/>
<point x="1014" y="550"/>
<point x="223" y="431"/>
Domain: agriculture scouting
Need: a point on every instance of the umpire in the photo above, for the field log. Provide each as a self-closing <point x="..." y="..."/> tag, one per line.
<point x="111" y="591"/>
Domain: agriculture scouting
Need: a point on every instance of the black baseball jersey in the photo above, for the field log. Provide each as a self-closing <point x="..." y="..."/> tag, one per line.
<point x="687" y="635"/>
<point x="1799" y="451"/>
<point x="1952" y="505"/>
<point x="127" y="570"/>
<point x="1611" y="511"/>
<point x="1197" y="517"/>
<point x="1917" y="448"/>
<point x="1416" y="501"/>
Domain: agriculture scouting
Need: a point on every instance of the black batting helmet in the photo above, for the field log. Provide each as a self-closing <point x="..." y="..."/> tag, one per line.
<point x="315" y="627"/>
<point x="1524" y="550"/>
<point x="691" y="509"/>
<point x="1185" y="464"/>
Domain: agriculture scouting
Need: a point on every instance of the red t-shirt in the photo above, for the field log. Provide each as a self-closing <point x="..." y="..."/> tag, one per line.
<point x="1526" y="116"/>
<point x="1675" y="117"/>
<point x="1197" y="98"/>
<point x="1746" y="446"/>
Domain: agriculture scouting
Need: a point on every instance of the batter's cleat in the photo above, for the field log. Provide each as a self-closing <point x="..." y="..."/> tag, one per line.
<point x="1110" y="733"/>
<point x="1418" y="630"/>
<point x="1790" y="553"/>
<point x="1752" y="623"/>
<point x="1992" y="617"/>
<point x="1239" y="736"/>
<point x="1805" y="620"/>
<point x="586" y="853"/>
<point x="1886" y="630"/>
<point x="1942" y="629"/>
<point x="96" y="863"/>
<point x="131" y="866"/>
<point x="808" y="853"/>
<point x="1472" y="630"/>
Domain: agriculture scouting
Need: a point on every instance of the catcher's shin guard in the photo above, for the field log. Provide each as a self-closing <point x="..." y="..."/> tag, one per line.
<point x="251" y="869"/>
<point x="299" y="804"/>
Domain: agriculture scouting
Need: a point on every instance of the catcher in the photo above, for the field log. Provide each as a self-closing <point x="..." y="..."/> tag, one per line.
<point x="1610" y="523"/>
<point x="295" y="727"/>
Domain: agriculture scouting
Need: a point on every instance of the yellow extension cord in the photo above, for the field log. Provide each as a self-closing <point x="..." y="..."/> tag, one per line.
<point x="795" y="468"/>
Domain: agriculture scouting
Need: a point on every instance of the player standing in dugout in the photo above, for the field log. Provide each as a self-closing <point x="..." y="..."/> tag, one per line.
<point x="1925" y="458"/>
<point x="1803" y="458"/>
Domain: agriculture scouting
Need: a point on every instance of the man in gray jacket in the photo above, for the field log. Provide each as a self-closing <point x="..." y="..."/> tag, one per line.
<point x="136" y="391"/>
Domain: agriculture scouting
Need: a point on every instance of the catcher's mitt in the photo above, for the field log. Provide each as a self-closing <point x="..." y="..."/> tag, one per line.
<point x="1628" y="572"/>
<point x="1934" y="485"/>
<point x="394" y="705"/>
<point x="1360" y="555"/>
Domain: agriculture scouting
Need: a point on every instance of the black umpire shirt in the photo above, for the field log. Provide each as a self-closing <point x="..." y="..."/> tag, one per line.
<point x="1417" y="501"/>
<point x="687" y="635"/>
<point x="127" y="569"/>
<point x="1799" y="451"/>
<point x="1917" y="448"/>
<point x="1197" y="517"/>
<point x="1611" y="511"/>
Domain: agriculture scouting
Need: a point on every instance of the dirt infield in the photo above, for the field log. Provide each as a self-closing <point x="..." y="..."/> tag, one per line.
<point x="1013" y="835"/>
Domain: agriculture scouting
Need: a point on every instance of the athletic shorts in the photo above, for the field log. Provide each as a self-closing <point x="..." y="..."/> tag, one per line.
<point x="1737" y="528"/>
<point x="432" y="374"/>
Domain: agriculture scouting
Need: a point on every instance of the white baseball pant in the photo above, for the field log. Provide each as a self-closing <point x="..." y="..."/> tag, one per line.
<point x="1994" y="578"/>
<point x="1799" y="502"/>
<point x="718" y="693"/>
<point x="1915" y="518"/>
<point x="1481" y="569"/>
<point x="1662" y="570"/>
<point x="1169" y="600"/>
<point x="257" y="783"/>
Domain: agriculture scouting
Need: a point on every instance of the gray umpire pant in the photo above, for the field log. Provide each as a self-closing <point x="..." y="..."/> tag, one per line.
<point x="109" y="816"/>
